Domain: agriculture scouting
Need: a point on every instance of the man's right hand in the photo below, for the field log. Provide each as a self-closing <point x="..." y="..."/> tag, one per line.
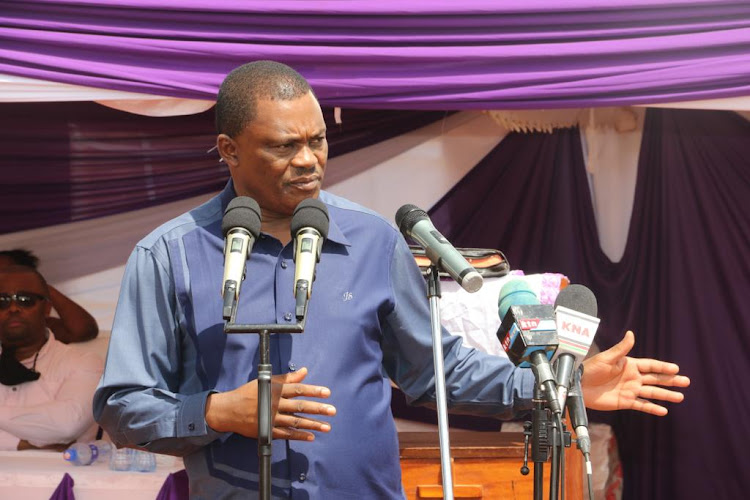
<point x="237" y="410"/>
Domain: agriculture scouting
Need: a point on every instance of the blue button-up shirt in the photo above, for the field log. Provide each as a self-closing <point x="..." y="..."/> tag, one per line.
<point x="368" y="321"/>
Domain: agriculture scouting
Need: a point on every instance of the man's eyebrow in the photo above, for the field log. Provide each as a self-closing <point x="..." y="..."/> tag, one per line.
<point x="296" y="137"/>
<point x="29" y="292"/>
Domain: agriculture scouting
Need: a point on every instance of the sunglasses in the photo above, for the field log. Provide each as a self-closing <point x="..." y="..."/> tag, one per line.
<point x="26" y="300"/>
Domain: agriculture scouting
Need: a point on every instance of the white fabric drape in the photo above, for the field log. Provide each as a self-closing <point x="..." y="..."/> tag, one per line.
<point x="20" y="89"/>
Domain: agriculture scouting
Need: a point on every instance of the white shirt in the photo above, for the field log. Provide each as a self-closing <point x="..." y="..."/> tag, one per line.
<point x="56" y="408"/>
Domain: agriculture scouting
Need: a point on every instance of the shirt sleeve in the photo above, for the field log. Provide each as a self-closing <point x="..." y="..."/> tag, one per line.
<point x="67" y="415"/>
<point x="141" y="399"/>
<point x="476" y="383"/>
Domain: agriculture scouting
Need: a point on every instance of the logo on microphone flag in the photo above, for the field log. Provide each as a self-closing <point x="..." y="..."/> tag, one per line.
<point x="575" y="330"/>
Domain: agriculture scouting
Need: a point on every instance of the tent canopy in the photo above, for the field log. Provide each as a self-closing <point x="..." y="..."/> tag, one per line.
<point x="393" y="54"/>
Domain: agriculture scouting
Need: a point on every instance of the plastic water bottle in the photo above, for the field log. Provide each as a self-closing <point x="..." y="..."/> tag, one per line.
<point x="121" y="459"/>
<point x="144" y="461"/>
<point x="104" y="448"/>
<point x="81" y="454"/>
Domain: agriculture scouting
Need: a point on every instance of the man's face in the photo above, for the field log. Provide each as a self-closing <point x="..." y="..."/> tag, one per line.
<point x="23" y="326"/>
<point x="279" y="159"/>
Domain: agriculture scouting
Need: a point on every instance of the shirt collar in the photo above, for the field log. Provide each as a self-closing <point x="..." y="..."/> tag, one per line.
<point x="334" y="231"/>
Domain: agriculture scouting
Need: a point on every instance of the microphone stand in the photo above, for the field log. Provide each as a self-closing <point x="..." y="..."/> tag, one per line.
<point x="265" y="372"/>
<point x="548" y="437"/>
<point x="433" y="294"/>
<point x="539" y="440"/>
<point x="554" y="473"/>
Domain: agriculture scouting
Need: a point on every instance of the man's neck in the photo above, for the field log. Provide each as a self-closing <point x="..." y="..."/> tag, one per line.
<point x="26" y="352"/>
<point x="277" y="226"/>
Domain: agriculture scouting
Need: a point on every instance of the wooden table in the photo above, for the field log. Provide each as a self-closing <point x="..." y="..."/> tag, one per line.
<point x="485" y="465"/>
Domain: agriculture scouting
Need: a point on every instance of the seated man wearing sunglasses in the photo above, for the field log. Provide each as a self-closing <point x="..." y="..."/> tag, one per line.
<point x="73" y="323"/>
<point x="46" y="387"/>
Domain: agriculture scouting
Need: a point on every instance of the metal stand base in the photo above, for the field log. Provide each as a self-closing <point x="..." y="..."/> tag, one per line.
<point x="265" y="415"/>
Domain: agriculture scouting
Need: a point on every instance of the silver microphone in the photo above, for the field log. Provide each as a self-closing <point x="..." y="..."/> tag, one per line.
<point x="240" y="226"/>
<point x="413" y="222"/>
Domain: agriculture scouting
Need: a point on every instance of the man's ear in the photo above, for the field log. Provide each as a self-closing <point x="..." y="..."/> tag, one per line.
<point x="227" y="150"/>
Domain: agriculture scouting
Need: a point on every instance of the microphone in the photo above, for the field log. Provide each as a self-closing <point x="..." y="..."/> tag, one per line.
<point x="515" y="293"/>
<point x="528" y="335"/>
<point x="413" y="222"/>
<point x="575" y="316"/>
<point x="309" y="228"/>
<point x="240" y="226"/>
<point x="578" y="418"/>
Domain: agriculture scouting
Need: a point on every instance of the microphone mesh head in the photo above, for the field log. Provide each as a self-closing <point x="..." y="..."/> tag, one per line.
<point x="578" y="298"/>
<point x="515" y="293"/>
<point x="407" y="216"/>
<point x="313" y="213"/>
<point x="243" y="212"/>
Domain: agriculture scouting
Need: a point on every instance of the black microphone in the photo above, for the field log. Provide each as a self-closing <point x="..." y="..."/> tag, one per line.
<point x="575" y="316"/>
<point x="309" y="228"/>
<point x="413" y="222"/>
<point x="577" y="410"/>
<point x="240" y="226"/>
<point x="528" y="335"/>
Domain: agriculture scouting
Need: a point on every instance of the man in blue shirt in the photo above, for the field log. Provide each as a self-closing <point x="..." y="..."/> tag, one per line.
<point x="175" y="383"/>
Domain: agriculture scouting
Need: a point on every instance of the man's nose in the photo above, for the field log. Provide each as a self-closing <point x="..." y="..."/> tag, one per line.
<point x="305" y="158"/>
<point x="14" y="307"/>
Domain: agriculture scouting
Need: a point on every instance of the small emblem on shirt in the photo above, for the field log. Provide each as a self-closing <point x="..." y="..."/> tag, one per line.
<point x="347" y="296"/>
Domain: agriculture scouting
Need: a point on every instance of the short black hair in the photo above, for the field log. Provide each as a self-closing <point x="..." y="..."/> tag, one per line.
<point x="23" y="269"/>
<point x="21" y="257"/>
<point x="245" y="85"/>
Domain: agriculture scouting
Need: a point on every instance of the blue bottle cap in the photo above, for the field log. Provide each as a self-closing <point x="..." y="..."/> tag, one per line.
<point x="71" y="454"/>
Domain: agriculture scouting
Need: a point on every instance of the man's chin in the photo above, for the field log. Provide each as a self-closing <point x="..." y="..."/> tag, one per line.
<point x="295" y="197"/>
<point x="14" y="338"/>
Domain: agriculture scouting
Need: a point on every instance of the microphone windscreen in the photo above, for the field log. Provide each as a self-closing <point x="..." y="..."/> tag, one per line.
<point x="407" y="216"/>
<point x="578" y="298"/>
<point x="313" y="213"/>
<point x="515" y="293"/>
<point x="243" y="212"/>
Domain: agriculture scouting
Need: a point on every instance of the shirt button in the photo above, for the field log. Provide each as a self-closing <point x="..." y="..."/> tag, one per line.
<point x="283" y="264"/>
<point x="292" y="366"/>
<point x="15" y="389"/>
<point x="288" y="316"/>
<point x="302" y="477"/>
<point x="191" y="427"/>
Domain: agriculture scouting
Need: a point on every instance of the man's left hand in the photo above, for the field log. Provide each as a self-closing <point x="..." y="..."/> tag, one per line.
<point x="614" y="381"/>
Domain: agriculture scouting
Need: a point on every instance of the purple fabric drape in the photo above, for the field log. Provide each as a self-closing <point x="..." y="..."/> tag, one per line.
<point x="175" y="487"/>
<point x="65" y="162"/>
<point x="682" y="285"/>
<point x="64" y="490"/>
<point x="529" y="198"/>
<point x="408" y="55"/>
